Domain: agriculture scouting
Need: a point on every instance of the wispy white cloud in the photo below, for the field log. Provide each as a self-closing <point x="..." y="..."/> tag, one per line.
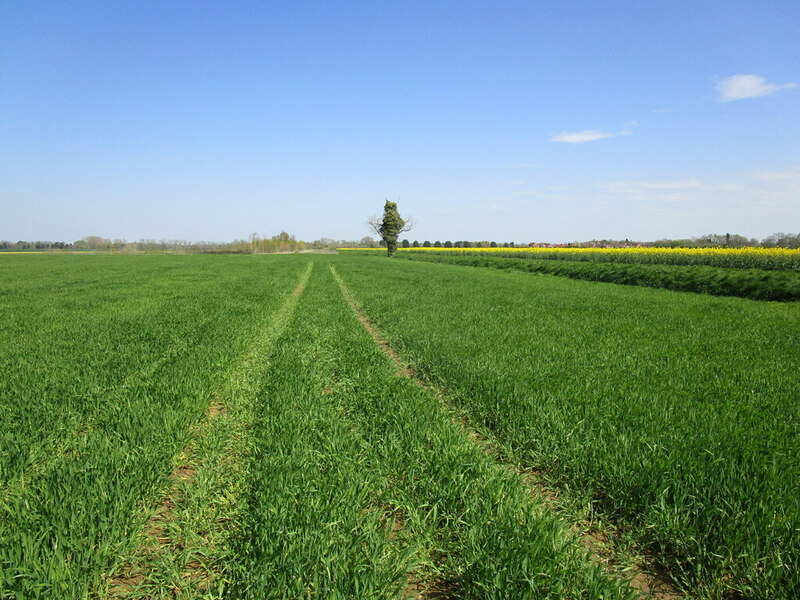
<point x="777" y="190"/>
<point x="739" y="87"/>
<point x="527" y="193"/>
<point x="649" y="192"/>
<point x="791" y="175"/>
<point x="590" y="135"/>
<point x="755" y="203"/>
<point x="639" y="186"/>
<point x="494" y="205"/>
<point x="579" y="137"/>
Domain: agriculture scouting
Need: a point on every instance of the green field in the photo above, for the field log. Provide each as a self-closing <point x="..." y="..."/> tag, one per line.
<point x="755" y="284"/>
<point x="227" y="427"/>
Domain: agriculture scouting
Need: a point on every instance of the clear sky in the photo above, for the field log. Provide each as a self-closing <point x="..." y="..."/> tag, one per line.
<point x="524" y="121"/>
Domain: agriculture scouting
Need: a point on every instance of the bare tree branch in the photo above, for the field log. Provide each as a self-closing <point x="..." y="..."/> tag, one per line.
<point x="374" y="223"/>
<point x="409" y="225"/>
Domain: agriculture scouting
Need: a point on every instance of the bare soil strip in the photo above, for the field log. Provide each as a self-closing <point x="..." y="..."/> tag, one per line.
<point x="600" y="546"/>
<point x="158" y="543"/>
<point x="403" y="369"/>
<point x="158" y="540"/>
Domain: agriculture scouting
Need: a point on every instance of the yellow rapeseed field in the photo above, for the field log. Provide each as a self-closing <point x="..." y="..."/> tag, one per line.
<point x="747" y="258"/>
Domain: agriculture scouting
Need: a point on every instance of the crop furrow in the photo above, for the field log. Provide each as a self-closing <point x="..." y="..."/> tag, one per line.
<point x="71" y="524"/>
<point x="643" y="578"/>
<point x="183" y="540"/>
<point x="475" y="527"/>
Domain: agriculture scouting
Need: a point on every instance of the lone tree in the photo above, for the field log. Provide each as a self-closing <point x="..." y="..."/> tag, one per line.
<point x="390" y="226"/>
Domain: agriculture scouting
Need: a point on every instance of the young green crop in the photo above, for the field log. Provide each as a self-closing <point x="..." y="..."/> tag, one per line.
<point x="738" y="258"/>
<point x="181" y="555"/>
<point x="358" y="475"/>
<point x="674" y="415"/>
<point x="755" y="284"/>
<point x="319" y="451"/>
<point x="108" y="361"/>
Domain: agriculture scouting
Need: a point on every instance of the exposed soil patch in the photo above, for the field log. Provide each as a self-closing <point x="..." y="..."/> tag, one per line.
<point x="125" y="582"/>
<point x="215" y="409"/>
<point x="653" y="586"/>
<point x="435" y="589"/>
<point x="185" y="472"/>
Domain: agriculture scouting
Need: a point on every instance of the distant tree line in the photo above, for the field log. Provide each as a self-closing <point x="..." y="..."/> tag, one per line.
<point x="284" y="242"/>
<point x="711" y="240"/>
<point x="331" y="244"/>
<point x="21" y="245"/>
<point x="727" y="240"/>
<point x="457" y="244"/>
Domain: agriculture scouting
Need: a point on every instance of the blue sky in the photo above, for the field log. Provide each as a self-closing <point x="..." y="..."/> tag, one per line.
<point x="524" y="121"/>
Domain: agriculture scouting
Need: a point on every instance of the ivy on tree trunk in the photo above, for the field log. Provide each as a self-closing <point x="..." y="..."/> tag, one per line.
<point x="391" y="226"/>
